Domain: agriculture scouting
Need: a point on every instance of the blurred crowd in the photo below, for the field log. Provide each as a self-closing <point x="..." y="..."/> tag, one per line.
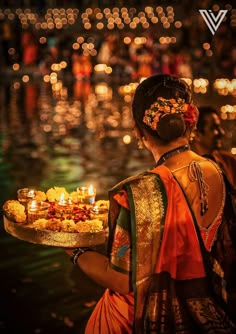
<point x="190" y="51"/>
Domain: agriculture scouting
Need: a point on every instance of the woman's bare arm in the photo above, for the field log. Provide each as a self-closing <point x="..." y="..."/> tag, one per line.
<point x="97" y="267"/>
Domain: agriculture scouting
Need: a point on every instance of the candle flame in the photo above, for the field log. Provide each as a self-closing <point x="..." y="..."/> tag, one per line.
<point x="62" y="198"/>
<point x="31" y="193"/>
<point x="90" y="190"/>
<point x="33" y="205"/>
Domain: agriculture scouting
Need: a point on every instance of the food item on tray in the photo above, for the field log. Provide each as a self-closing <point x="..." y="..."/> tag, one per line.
<point x="15" y="211"/>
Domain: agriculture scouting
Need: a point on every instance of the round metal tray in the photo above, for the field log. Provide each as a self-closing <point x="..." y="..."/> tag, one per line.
<point x="52" y="238"/>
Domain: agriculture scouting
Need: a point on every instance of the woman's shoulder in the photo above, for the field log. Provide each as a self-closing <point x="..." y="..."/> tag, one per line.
<point x="119" y="191"/>
<point x="141" y="177"/>
<point x="130" y="179"/>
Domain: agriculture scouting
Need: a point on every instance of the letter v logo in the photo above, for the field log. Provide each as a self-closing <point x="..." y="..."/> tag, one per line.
<point x="211" y="20"/>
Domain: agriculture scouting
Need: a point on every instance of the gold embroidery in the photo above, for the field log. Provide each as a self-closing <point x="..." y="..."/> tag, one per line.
<point x="207" y="315"/>
<point x="148" y="219"/>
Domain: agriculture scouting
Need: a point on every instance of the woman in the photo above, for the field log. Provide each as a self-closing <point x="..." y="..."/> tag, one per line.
<point x="163" y="228"/>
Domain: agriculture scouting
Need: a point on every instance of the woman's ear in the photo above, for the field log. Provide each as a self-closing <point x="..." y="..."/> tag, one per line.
<point x="139" y="135"/>
<point x="137" y="132"/>
<point x="190" y="133"/>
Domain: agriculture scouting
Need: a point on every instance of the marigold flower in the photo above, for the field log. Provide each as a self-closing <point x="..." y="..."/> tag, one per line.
<point x="40" y="196"/>
<point x="53" y="194"/>
<point x="15" y="210"/>
<point x="166" y="106"/>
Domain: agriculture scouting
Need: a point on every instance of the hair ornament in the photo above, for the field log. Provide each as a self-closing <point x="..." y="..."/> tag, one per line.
<point x="169" y="106"/>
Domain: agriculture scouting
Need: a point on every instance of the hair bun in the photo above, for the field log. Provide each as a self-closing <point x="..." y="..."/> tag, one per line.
<point x="170" y="127"/>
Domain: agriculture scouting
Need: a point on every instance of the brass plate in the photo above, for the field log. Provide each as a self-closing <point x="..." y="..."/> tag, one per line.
<point x="51" y="238"/>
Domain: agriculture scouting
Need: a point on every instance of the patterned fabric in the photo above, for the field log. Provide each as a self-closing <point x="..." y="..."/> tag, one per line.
<point x="121" y="247"/>
<point x="183" y="307"/>
<point x="171" y="292"/>
<point x="180" y="299"/>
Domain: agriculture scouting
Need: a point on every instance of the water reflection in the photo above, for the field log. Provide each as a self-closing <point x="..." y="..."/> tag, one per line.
<point x="76" y="135"/>
<point x="73" y="133"/>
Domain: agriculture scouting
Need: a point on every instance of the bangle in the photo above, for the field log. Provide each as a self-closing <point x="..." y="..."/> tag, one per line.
<point x="77" y="252"/>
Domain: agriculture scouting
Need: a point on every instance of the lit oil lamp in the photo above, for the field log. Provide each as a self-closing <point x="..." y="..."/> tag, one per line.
<point x="37" y="210"/>
<point x="86" y="195"/>
<point x="64" y="207"/>
<point x="90" y="197"/>
<point x="25" y="195"/>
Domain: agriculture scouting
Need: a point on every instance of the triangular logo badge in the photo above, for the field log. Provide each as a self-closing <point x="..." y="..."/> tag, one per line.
<point x="213" y="21"/>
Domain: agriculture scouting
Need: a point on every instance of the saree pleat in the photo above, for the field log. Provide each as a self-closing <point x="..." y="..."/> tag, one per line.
<point x="113" y="314"/>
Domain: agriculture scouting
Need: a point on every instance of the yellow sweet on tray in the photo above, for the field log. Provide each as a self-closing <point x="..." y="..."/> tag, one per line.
<point x="15" y="211"/>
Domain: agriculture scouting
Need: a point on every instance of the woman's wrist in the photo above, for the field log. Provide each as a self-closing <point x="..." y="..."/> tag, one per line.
<point x="77" y="253"/>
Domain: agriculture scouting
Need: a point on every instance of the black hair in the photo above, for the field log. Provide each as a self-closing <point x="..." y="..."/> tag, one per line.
<point x="204" y="111"/>
<point x="171" y="126"/>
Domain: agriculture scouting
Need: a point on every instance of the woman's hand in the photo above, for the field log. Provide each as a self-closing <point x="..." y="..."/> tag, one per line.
<point x="97" y="267"/>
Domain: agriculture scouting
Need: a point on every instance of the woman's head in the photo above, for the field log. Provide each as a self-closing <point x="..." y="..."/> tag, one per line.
<point x="162" y="107"/>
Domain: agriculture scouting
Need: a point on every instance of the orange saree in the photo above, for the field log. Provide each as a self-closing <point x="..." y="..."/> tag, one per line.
<point x="113" y="313"/>
<point x="155" y="239"/>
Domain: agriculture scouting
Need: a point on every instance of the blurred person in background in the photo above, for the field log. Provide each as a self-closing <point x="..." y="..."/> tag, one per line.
<point x="167" y="269"/>
<point x="30" y="48"/>
<point x="208" y="140"/>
